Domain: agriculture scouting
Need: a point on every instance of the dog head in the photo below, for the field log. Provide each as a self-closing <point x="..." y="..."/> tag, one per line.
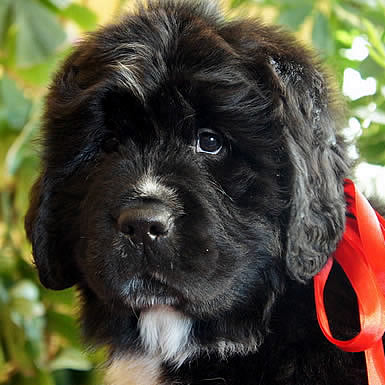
<point x="188" y="162"/>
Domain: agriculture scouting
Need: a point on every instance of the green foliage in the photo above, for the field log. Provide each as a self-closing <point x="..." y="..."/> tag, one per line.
<point x="14" y="108"/>
<point x="40" y="341"/>
<point x="33" y="43"/>
<point x="292" y="15"/>
<point x="334" y="24"/>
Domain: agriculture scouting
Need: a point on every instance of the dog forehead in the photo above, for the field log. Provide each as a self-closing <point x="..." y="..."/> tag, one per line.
<point x="146" y="51"/>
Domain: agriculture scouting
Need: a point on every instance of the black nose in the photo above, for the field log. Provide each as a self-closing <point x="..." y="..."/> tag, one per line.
<point x="145" y="222"/>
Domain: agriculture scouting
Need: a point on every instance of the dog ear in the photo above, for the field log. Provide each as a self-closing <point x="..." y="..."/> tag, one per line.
<point x="49" y="220"/>
<point x="51" y="251"/>
<point x="317" y="164"/>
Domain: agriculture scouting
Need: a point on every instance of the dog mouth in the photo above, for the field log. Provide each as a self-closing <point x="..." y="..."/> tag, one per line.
<point x="142" y="292"/>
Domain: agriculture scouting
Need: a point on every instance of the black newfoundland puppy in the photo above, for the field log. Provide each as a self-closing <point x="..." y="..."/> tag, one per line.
<point x="192" y="184"/>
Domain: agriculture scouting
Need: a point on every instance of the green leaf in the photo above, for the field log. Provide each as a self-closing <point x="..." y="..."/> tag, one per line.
<point x="322" y="34"/>
<point x="345" y="37"/>
<point x="373" y="153"/>
<point x="14" y="340"/>
<point x="2" y="360"/>
<point x="22" y="308"/>
<point x="25" y="289"/>
<point x="34" y="329"/>
<point x="17" y="107"/>
<point x="65" y="326"/>
<point x="377" y="116"/>
<point x="43" y="378"/>
<point x="61" y="4"/>
<point x="66" y="297"/>
<point x="373" y="13"/>
<point x="347" y="15"/>
<point x="369" y="67"/>
<point x="82" y="16"/>
<point x="290" y="3"/>
<point x="71" y="359"/>
<point x="18" y="151"/>
<point x="237" y="3"/>
<point x="4" y="295"/>
<point x="39" y="33"/>
<point x="37" y="378"/>
<point x="294" y="17"/>
<point x="372" y="143"/>
<point x="4" y="18"/>
<point x="375" y="39"/>
<point x="41" y="74"/>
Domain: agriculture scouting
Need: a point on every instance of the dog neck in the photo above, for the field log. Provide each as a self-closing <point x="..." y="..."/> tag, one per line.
<point x="166" y="333"/>
<point x="134" y="370"/>
<point x="165" y="336"/>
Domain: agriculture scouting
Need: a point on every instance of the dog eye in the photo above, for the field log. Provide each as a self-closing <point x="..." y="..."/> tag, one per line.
<point x="209" y="141"/>
<point x="110" y="144"/>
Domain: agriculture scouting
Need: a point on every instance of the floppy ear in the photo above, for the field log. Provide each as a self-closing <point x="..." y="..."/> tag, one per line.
<point x="51" y="250"/>
<point x="52" y="215"/>
<point x="318" y="167"/>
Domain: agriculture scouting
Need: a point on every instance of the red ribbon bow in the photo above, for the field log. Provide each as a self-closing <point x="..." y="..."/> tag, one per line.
<point x="361" y="254"/>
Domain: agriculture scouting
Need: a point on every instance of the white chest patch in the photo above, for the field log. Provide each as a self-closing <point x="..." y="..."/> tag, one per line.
<point x="166" y="333"/>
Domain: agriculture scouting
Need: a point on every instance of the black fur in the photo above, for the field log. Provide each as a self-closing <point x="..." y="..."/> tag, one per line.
<point x="253" y="223"/>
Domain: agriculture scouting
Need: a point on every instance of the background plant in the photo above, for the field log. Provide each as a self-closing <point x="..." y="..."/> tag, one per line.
<point x="39" y="338"/>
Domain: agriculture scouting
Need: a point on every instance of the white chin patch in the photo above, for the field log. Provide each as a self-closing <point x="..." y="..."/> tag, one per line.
<point x="165" y="332"/>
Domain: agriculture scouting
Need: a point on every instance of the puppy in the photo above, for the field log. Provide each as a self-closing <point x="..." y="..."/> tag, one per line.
<point x="192" y="184"/>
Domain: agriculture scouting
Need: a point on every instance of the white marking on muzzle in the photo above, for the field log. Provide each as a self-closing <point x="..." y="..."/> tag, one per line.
<point x="150" y="186"/>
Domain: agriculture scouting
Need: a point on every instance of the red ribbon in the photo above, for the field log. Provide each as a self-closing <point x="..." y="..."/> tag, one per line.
<point x="361" y="254"/>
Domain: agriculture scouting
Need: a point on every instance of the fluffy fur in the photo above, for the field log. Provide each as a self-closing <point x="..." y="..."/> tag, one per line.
<point x="219" y="287"/>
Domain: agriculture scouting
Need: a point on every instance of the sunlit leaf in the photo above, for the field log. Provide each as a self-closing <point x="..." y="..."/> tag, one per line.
<point x="345" y="37"/>
<point x="237" y="3"/>
<point x="61" y="4"/>
<point x="347" y="15"/>
<point x="4" y="18"/>
<point x="374" y="14"/>
<point x="71" y="359"/>
<point x="39" y="33"/>
<point x="373" y="152"/>
<point x="64" y="297"/>
<point x="16" y="106"/>
<point x="14" y="339"/>
<point x="44" y="378"/>
<point x="377" y="116"/>
<point x="372" y="143"/>
<point x="322" y="36"/>
<point x="19" y="148"/>
<point x="370" y="68"/>
<point x="25" y="289"/>
<point x="65" y="326"/>
<point x="294" y="17"/>
<point x="38" y="378"/>
<point x="35" y="344"/>
<point x="374" y="38"/>
<point x="22" y="308"/>
<point x="35" y="329"/>
<point x="41" y="74"/>
<point x="82" y="16"/>
<point x="4" y="295"/>
<point x="2" y="360"/>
